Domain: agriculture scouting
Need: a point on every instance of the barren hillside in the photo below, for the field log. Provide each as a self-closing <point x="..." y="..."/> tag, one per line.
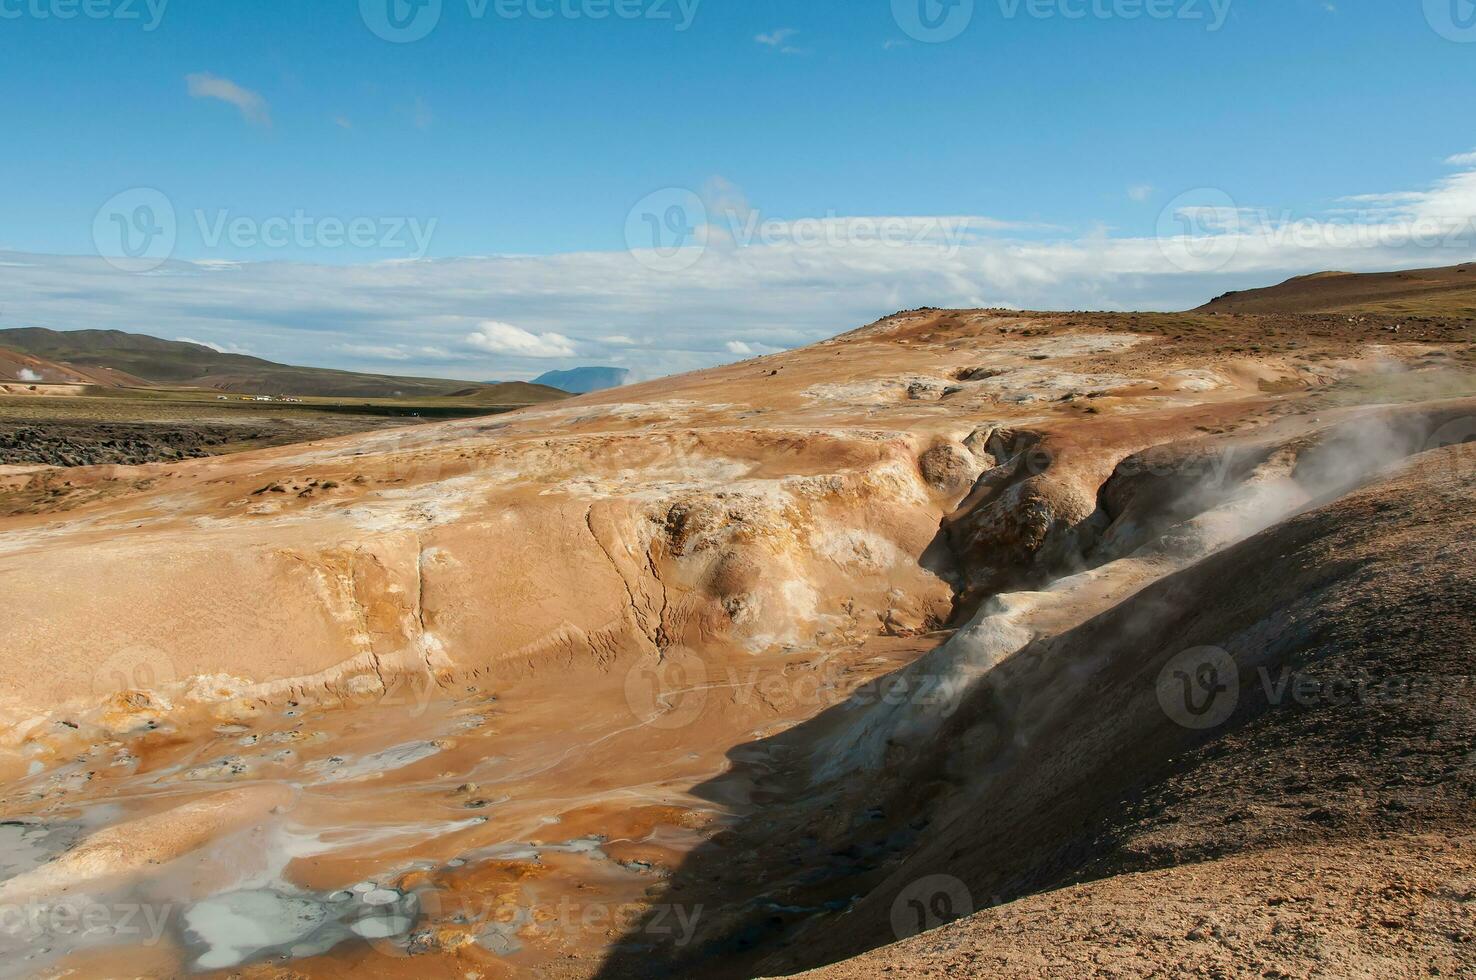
<point x="1450" y="290"/>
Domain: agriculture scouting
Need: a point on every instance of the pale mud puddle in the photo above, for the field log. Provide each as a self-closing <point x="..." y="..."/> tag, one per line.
<point x="524" y="830"/>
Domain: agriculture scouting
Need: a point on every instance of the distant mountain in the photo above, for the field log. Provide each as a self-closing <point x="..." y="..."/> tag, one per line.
<point x="1445" y="291"/>
<point x="97" y="356"/>
<point x="585" y="379"/>
<point x="509" y="393"/>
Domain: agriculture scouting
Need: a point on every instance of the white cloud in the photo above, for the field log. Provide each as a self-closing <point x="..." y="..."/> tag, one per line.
<point x="203" y="85"/>
<point x="343" y="122"/>
<point x="773" y="294"/>
<point x="504" y="338"/>
<point x="218" y="348"/>
<point x="732" y="221"/>
<point x="1392" y="198"/>
<point x="750" y="348"/>
<point x="27" y="375"/>
<point x="776" y="39"/>
<point x="1462" y="159"/>
<point x="376" y="352"/>
<point x="394" y="352"/>
<point x="1140" y="192"/>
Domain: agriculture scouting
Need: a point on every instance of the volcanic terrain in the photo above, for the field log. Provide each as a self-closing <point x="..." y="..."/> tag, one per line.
<point x="968" y="643"/>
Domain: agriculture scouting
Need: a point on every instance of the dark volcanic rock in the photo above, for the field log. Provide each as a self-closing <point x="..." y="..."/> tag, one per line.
<point x="64" y="443"/>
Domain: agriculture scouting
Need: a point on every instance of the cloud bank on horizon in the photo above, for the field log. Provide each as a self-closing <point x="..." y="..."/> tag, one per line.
<point x="735" y="285"/>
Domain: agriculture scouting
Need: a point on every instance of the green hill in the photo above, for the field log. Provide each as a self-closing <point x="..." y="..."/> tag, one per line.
<point x="1445" y="291"/>
<point x="179" y="363"/>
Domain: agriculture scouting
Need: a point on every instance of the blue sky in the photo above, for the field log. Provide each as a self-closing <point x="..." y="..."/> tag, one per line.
<point x="492" y="165"/>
